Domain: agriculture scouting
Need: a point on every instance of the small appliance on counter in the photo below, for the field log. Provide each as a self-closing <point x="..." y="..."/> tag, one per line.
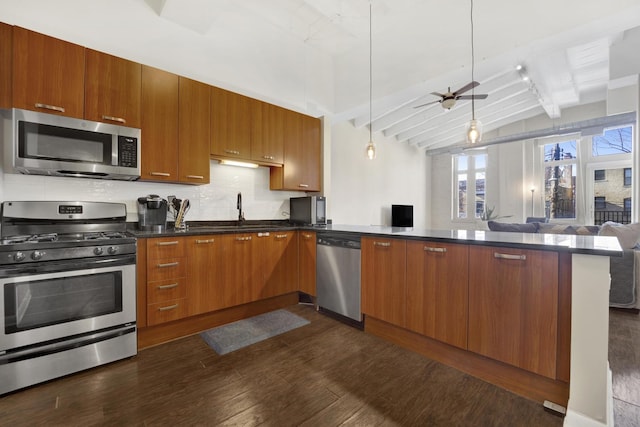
<point x="310" y="210"/>
<point x="152" y="213"/>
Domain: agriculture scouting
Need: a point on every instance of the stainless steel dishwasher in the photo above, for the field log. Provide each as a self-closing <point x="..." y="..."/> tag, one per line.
<point x="338" y="274"/>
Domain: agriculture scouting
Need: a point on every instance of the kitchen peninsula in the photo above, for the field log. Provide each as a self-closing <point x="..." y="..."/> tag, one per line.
<point x="528" y="312"/>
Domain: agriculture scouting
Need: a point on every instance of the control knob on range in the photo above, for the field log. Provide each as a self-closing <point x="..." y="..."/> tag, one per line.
<point x="36" y="255"/>
<point x="18" y="256"/>
<point x="112" y="250"/>
<point x="98" y="251"/>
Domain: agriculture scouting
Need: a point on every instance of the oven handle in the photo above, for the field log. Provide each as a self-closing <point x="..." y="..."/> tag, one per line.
<point x="36" y="268"/>
<point x="56" y="346"/>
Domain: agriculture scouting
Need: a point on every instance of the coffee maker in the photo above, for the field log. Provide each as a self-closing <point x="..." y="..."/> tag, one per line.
<point x="152" y="213"/>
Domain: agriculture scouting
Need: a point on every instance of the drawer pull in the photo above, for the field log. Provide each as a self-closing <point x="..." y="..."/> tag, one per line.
<point x="268" y="157"/>
<point x="159" y="174"/>
<point x="203" y="241"/>
<point x="509" y="256"/>
<point x="114" y="119"/>
<point x="438" y="250"/>
<point x="171" y="286"/>
<point x="243" y="239"/>
<point x="171" y="243"/>
<point x="195" y="176"/>
<point x="281" y="236"/>
<point x="50" y="107"/>
<point x="236" y="152"/>
<point x="306" y="236"/>
<point x="167" y="308"/>
<point x="303" y="185"/>
<point x="383" y="244"/>
<point x="169" y="264"/>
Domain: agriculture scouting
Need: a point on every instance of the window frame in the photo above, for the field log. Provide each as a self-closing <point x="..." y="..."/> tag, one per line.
<point x="471" y="187"/>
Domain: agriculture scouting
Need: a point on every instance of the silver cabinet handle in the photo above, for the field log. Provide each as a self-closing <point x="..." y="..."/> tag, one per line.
<point x="281" y="236"/>
<point x="195" y="176"/>
<point x="268" y="157"/>
<point x="203" y="241"/>
<point x="303" y="185"/>
<point x="383" y="244"/>
<point x="50" y="107"/>
<point x="236" y="152"/>
<point x="159" y="174"/>
<point x="243" y="239"/>
<point x="306" y="236"/>
<point x="439" y="250"/>
<point x="171" y="243"/>
<point x="114" y="119"/>
<point x="171" y="286"/>
<point x="167" y="308"/>
<point x="509" y="256"/>
<point x="169" y="264"/>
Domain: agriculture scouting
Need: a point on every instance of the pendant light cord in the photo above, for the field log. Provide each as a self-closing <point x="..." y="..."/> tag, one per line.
<point x="370" y="77"/>
<point x="473" y="61"/>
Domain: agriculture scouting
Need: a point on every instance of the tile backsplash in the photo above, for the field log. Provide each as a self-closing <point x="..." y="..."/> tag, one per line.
<point x="214" y="201"/>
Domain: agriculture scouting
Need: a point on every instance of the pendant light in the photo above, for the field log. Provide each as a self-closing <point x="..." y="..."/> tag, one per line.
<point x="474" y="127"/>
<point x="371" y="146"/>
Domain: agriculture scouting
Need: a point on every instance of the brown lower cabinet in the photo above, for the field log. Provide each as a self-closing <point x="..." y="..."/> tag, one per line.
<point x="275" y="264"/>
<point x="438" y="291"/>
<point x="513" y="307"/>
<point x="166" y="285"/>
<point x="307" y="262"/>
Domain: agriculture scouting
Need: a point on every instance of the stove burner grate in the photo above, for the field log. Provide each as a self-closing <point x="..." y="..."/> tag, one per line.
<point x="30" y="238"/>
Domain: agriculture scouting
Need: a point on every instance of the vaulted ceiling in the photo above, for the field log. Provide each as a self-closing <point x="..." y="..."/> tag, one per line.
<point x="313" y="55"/>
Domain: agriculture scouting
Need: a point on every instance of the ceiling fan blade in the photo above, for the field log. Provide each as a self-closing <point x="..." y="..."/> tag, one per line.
<point x="478" y="96"/>
<point x="466" y="87"/>
<point x="428" y="103"/>
<point x="442" y="95"/>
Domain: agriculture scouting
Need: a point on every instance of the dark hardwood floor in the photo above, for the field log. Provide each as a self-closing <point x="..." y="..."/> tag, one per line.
<point x="322" y="374"/>
<point x="624" y="359"/>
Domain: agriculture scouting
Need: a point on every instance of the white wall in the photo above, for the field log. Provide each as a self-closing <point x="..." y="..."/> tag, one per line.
<point x="362" y="191"/>
<point x="215" y="201"/>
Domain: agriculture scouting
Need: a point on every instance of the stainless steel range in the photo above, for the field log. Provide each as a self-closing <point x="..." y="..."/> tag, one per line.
<point x="68" y="289"/>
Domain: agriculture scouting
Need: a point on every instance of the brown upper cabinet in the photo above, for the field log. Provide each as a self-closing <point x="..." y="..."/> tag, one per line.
<point x="160" y="92"/>
<point x="230" y="124"/>
<point x="267" y="136"/>
<point x="302" y="151"/>
<point x="48" y="74"/>
<point x="6" y="49"/>
<point x="194" y="132"/>
<point x="112" y="89"/>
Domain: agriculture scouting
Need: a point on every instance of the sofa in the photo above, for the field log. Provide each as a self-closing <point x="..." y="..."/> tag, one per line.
<point x="624" y="271"/>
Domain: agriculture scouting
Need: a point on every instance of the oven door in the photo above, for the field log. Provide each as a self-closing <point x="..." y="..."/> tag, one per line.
<point x="78" y="298"/>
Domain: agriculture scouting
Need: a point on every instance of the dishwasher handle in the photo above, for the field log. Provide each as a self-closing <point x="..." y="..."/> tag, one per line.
<point x="349" y="243"/>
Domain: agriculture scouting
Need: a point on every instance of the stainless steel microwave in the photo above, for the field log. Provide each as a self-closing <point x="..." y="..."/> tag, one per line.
<point x="47" y="144"/>
<point x="310" y="210"/>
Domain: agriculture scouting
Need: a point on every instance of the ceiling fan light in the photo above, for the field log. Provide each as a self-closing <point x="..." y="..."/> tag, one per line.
<point x="371" y="150"/>
<point x="448" y="104"/>
<point x="474" y="131"/>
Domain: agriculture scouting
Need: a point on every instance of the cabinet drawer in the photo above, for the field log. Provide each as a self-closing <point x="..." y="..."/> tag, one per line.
<point x="165" y="269"/>
<point x="166" y="290"/>
<point x="170" y="247"/>
<point x="166" y="311"/>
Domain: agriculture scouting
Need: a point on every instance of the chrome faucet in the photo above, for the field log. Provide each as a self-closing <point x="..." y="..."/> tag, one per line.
<point x="239" y="206"/>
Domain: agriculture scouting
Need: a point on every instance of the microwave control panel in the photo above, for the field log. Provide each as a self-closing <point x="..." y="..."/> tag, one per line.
<point x="127" y="151"/>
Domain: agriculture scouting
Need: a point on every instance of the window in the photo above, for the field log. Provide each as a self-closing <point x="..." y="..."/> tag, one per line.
<point x="627" y="176"/>
<point x="627" y="204"/>
<point x="600" y="202"/>
<point x="599" y="175"/>
<point x="561" y="165"/>
<point x="612" y="141"/>
<point x="470" y="171"/>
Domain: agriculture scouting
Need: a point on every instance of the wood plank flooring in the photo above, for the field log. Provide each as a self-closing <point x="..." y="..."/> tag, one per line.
<point x="322" y="374"/>
<point x="624" y="359"/>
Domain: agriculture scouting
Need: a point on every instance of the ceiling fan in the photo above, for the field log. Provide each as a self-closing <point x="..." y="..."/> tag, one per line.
<point x="448" y="99"/>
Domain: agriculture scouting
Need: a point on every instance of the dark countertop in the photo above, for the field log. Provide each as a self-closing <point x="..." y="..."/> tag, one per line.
<point x="589" y="245"/>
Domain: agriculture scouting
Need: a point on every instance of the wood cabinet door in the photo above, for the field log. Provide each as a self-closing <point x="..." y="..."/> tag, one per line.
<point x="312" y="152"/>
<point x="6" y="61"/>
<point x="438" y="291"/>
<point x="194" y="132"/>
<point x="48" y="74"/>
<point x="267" y="135"/>
<point x="307" y="262"/>
<point x="277" y="261"/>
<point x="205" y="284"/>
<point x="113" y="89"/>
<point x="159" y="125"/>
<point x="230" y="124"/>
<point x="238" y="273"/>
<point x="384" y="282"/>
<point x="513" y="306"/>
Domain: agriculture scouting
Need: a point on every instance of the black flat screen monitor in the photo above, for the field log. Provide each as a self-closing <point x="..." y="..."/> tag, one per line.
<point x="402" y="215"/>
